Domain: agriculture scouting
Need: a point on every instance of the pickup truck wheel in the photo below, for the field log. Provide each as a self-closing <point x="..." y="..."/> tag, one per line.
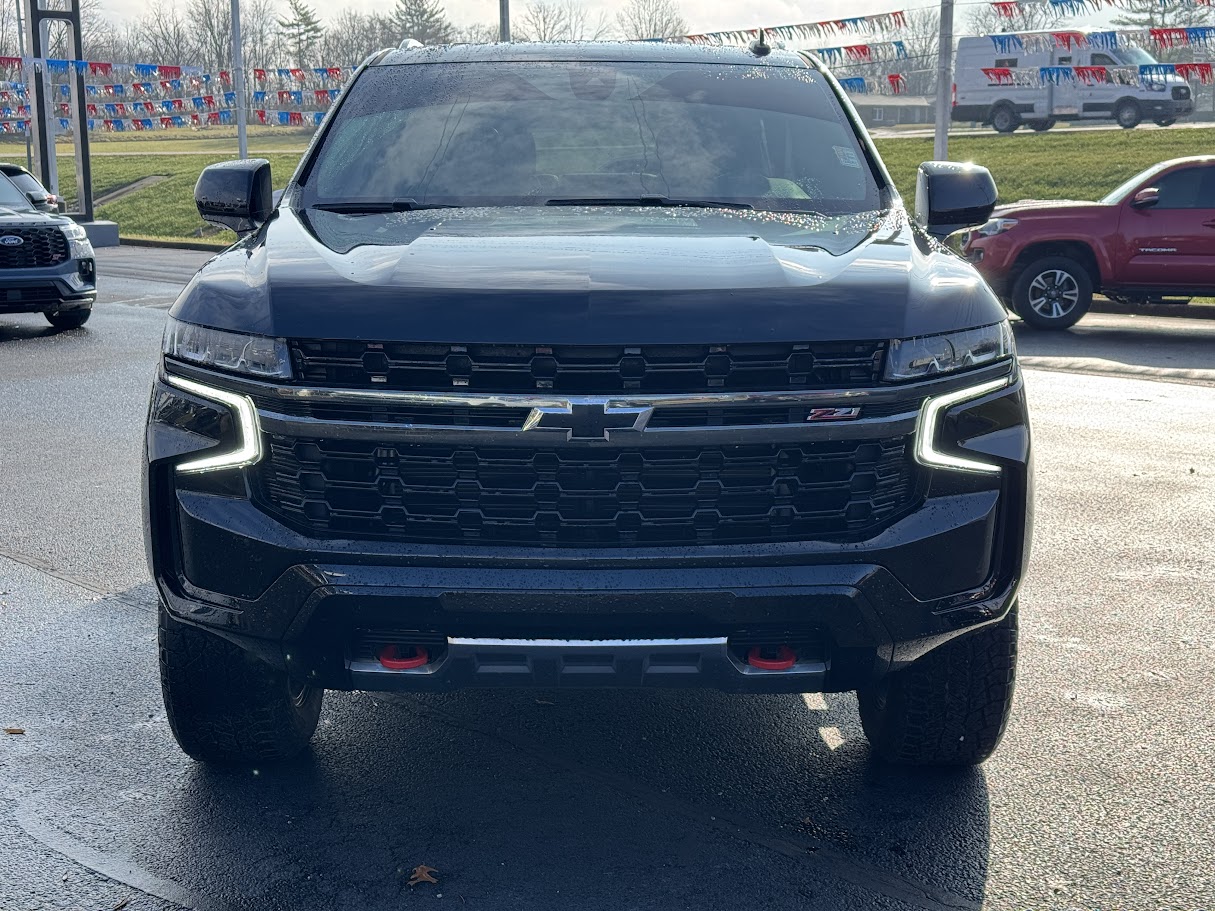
<point x="226" y="706"/>
<point x="1053" y="293"/>
<point x="950" y="708"/>
<point x="1166" y="122"/>
<point x="70" y="319"/>
<point x="1040" y="126"/>
<point x="1004" y="119"/>
<point x="1128" y="114"/>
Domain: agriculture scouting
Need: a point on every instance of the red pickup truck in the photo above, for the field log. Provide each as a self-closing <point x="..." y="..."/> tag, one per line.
<point x="1151" y="239"/>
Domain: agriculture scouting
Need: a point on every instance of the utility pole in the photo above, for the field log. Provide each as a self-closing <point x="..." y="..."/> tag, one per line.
<point x="940" y="145"/>
<point x="238" y="81"/>
<point x="29" y="141"/>
<point x="504" y="20"/>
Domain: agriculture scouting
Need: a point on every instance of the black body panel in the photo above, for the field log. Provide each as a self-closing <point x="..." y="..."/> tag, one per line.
<point x="589" y="445"/>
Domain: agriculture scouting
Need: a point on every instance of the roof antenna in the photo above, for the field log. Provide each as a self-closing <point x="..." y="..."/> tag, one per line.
<point x="759" y="47"/>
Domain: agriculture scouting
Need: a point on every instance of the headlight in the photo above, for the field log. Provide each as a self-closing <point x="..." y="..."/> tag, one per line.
<point x="926" y="450"/>
<point x="253" y="355"/>
<point x="78" y="241"/>
<point x="996" y="226"/>
<point x="930" y="355"/>
<point x="248" y="448"/>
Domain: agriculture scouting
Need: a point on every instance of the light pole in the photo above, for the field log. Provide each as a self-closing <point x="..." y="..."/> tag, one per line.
<point x="238" y="81"/>
<point x="29" y="142"/>
<point x="504" y="20"/>
<point x="940" y="144"/>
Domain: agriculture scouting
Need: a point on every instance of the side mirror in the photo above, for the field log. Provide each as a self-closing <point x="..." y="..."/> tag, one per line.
<point x="950" y="197"/>
<point x="1145" y="198"/>
<point x="235" y="194"/>
<point x="35" y="198"/>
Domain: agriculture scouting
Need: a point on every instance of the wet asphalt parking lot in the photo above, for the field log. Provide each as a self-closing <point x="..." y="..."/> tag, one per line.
<point x="1101" y="796"/>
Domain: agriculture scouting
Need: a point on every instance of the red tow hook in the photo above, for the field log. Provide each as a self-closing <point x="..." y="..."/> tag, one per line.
<point x="391" y="658"/>
<point x="768" y="658"/>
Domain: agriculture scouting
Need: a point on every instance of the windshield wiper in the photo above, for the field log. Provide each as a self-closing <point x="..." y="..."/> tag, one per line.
<point x="373" y="206"/>
<point x="649" y="201"/>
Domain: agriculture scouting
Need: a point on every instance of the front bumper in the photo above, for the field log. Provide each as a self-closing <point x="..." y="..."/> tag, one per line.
<point x="70" y="285"/>
<point x="1167" y="108"/>
<point x="496" y="616"/>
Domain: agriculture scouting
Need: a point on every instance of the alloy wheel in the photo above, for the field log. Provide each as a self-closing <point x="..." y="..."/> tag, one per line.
<point x="1054" y="293"/>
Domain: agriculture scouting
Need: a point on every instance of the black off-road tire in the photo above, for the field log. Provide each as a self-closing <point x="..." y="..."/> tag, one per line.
<point x="950" y="708"/>
<point x="1035" y="284"/>
<point x="70" y="319"/>
<point x="225" y="705"/>
<point x="1166" y="122"/>
<point x="1004" y="119"/>
<point x="1128" y="114"/>
<point x="1040" y="126"/>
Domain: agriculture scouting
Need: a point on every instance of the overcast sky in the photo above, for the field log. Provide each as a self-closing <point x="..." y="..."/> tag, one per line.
<point x="702" y="15"/>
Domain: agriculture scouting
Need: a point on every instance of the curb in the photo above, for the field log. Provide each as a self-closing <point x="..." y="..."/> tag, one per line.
<point x="1186" y="311"/>
<point x="168" y="244"/>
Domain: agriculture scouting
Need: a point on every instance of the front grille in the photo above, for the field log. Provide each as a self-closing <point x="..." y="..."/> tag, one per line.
<point x="665" y="417"/>
<point x="588" y="370"/>
<point x="586" y="497"/>
<point x="38" y="247"/>
<point x="19" y="299"/>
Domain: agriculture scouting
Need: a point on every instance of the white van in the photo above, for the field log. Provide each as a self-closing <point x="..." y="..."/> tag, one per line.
<point x="988" y="98"/>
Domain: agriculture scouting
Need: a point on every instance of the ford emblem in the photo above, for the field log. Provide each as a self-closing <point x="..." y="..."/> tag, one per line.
<point x="12" y="240"/>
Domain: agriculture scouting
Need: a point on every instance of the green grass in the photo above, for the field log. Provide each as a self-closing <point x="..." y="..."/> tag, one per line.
<point x="1079" y="165"/>
<point x="1055" y="165"/>
<point x="165" y="210"/>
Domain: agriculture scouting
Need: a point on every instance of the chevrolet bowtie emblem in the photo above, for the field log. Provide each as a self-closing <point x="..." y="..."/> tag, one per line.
<point x="587" y="420"/>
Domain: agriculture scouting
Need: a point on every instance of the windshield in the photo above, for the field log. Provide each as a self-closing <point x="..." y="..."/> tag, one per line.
<point x="1135" y="56"/>
<point x="475" y="134"/>
<point x="1125" y="189"/>
<point x="11" y="197"/>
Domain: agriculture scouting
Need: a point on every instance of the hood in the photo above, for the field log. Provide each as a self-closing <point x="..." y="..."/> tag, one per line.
<point x="615" y="276"/>
<point x="21" y="217"/>
<point x="1052" y="207"/>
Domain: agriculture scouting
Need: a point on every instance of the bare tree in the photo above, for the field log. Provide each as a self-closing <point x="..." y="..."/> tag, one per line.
<point x="583" y="27"/>
<point x="211" y="21"/>
<point x="10" y="44"/>
<point x="352" y="36"/>
<point x="260" y="36"/>
<point x="651" y="19"/>
<point x="167" y="36"/>
<point x="922" y="40"/>
<point x="561" y="20"/>
<point x="1026" y="17"/>
<point x="476" y="33"/>
<point x="543" y="20"/>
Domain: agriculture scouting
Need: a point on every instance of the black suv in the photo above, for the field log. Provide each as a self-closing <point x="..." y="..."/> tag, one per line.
<point x="589" y="365"/>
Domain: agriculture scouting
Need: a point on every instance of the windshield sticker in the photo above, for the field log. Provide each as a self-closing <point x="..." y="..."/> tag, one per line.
<point x="847" y="157"/>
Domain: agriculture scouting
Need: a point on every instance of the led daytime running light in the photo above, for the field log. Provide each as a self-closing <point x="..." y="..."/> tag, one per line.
<point x="926" y="452"/>
<point x="250" y="448"/>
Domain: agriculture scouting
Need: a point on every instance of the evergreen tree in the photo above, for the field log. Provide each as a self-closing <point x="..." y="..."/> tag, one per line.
<point x="423" y="20"/>
<point x="302" y="32"/>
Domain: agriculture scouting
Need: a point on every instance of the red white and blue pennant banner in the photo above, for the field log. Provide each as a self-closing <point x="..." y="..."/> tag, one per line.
<point x="806" y="31"/>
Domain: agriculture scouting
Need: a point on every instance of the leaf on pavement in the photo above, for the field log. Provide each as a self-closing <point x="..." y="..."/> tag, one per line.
<point x="14" y="730"/>
<point x="122" y="904"/>
<point x="421" y="874"/>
